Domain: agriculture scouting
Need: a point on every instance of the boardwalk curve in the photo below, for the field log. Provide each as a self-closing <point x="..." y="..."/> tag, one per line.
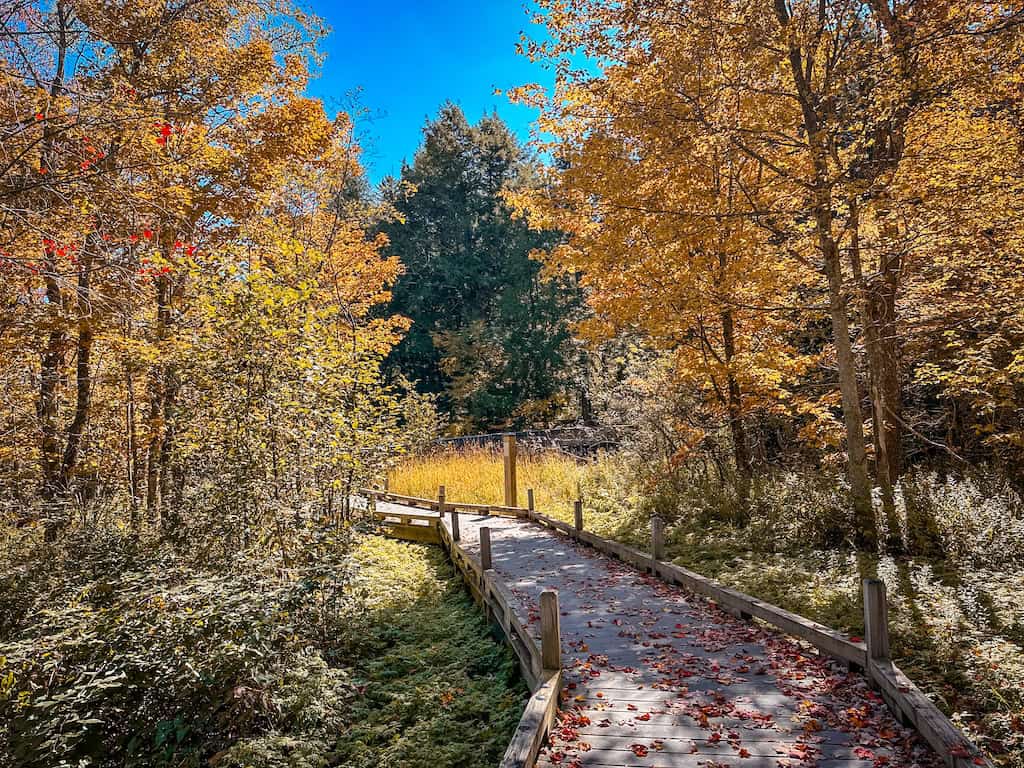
<point x="657" y="677"/>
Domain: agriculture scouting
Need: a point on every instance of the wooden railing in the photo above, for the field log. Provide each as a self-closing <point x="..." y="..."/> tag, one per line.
<point x="539" y="658"/>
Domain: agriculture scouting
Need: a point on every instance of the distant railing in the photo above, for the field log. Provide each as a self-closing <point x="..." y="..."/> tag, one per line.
<point x="580" y="441"/>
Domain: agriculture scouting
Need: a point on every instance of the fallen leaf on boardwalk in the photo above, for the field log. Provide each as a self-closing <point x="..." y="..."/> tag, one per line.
<point x="639" y="750"/>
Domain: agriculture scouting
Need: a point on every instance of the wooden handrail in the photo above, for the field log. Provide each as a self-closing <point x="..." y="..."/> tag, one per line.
<point x="545" y="685"/>
<point x="534" y="725"/>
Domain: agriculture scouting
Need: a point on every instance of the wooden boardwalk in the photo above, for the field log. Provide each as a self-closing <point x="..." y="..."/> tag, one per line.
<point x="655" y="676"/>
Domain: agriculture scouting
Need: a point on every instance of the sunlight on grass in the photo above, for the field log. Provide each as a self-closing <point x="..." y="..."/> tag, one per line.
<point x="477" y="477"/>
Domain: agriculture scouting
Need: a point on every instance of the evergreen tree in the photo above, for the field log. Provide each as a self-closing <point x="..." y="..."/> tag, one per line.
<point x="488" y="332"/>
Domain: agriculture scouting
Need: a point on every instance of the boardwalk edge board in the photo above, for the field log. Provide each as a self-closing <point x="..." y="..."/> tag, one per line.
<point x="903" y="697"/>
<point x="499" y="605"/>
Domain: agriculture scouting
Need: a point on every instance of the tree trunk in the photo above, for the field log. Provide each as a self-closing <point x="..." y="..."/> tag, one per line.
<point x="169" y="517"/>
<point x="52" y="362"/>
<point x="878" y="318"/>
<point x="48" y="405"/>
<point x="734" y="406"/>
<point x="83" y="373"/>
<point x="883" y="361"/>
<point x="865" y="530"/>
<point x="157" y="400"/>
<point x="132" y="453"/>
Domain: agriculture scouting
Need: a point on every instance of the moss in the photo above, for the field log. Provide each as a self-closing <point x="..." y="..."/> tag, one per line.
<point x="438" y="689"/>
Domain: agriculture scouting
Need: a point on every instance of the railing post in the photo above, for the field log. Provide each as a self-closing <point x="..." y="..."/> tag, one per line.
<point x="550" y="632"/>
<point x="577" y="514"/>
<point x="657" y="538"/>
<point x="510" y="470"/>
<point x="876" y="620"/>
<point x="386" y="483"/>
<point x="441" y="510"/>
<point x="529" y="500"/>
<point x="485" y="548"/>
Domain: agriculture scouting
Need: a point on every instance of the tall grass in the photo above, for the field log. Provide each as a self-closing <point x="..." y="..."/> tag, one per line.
<point x="476" y="476"/>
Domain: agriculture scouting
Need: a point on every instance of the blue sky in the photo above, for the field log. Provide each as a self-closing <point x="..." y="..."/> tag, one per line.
<point x="410" y="56"/>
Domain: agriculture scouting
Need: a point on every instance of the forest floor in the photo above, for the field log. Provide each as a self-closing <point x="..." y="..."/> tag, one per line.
<point x="370" y="653"/>
<point x="957" y="623"/>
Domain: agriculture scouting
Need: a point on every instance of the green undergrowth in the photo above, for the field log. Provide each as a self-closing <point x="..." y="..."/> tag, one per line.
<point x="438" y="689"/>
<point x="318" y="647"/>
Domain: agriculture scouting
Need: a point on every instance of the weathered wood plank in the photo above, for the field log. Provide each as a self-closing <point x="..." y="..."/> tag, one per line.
<point x="944" y="737"/>
<point x="534" y="725"/>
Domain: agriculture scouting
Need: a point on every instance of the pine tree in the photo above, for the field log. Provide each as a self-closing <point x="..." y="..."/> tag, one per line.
<point x="488" y="333"/>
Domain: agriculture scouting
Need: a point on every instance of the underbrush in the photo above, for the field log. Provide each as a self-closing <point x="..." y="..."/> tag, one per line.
<point x="957" y="612"/>
<point x="356" y="651"/>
